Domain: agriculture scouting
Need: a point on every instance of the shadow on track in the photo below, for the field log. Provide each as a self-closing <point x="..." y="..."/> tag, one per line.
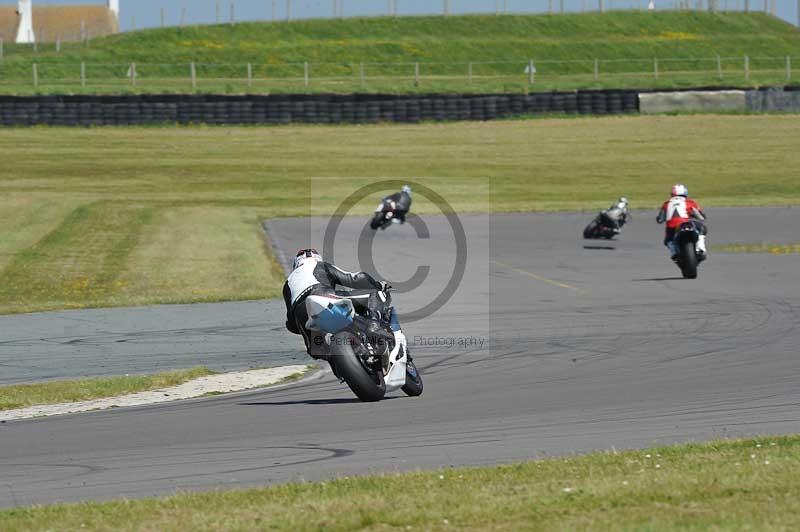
<point x="656" y="279"/>
<point x="612" y="248"/>
<point x="339" y="401"/>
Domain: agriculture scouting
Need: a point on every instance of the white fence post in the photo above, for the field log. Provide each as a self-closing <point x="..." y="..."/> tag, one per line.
<point x="58" y="43"/>
<point x="747" y="68"/>
<point x="1" y="49"/>
<point x="531" y="70"/>
<point x="719" y="67"/>
<point x="83" y="75"/>
<point x="416" y="74"/>
<point x="469" y="73"/>
<point x="788" y="68"/>
<point x="133" y="74"/>
<point x="601" y="6"/>
<point x="35" y="75"/>
<point x="362" y="75"/>
<point x="596" y="69"/>
<point x="249" y="75"/>
<point x="655" y="68"/>
<point x="193" y="72"/>
<point x="305" y="74"/>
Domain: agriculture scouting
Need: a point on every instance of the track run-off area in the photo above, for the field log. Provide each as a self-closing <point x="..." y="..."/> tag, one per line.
<point x="549" y="345"/>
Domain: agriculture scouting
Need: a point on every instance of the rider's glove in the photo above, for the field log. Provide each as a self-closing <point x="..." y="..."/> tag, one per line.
<point x="385" y="286"/>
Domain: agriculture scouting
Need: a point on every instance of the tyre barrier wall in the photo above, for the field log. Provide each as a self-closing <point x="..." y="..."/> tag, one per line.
<point x="310" y="109"/>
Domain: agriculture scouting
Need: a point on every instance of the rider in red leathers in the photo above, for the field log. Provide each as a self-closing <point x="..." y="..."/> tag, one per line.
<point x="678" y="210"/>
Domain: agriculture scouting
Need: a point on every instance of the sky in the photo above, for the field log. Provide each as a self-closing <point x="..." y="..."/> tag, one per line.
<point x="147" y="13"/>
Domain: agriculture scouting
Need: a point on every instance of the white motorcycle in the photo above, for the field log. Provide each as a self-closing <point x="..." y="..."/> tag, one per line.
<point x="370" y="364"/>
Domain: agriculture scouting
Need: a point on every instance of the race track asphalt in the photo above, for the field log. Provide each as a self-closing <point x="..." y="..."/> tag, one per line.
<point x="585" y="345"/>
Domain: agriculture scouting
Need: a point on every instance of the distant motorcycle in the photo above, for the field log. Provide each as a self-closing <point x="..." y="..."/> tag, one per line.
<point x="384" y="215"/>
<point x="601" y="227"/>
<point x="371" y="364"/>
<point x="688" y="258"/>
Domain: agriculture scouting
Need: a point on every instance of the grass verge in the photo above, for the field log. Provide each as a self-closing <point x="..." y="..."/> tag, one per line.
<point x="724" y="485"/>
<point x="135" y="216"/>
<point x="56" y="392"/>
<point x="774" y="249"/>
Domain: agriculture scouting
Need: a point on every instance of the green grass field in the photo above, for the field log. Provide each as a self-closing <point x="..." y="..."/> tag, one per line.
<point x="133" y="216"/>
<point x="56" y="392"/>
<point x="729" y="485"/>
<point x="563" y="46"/>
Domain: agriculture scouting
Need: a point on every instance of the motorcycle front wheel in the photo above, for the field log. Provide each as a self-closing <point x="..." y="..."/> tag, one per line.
<point x="377" y="221"/>
<point x="367" y="383"/>
<point x="413" y="386"/>
<point x="590" y="230"/>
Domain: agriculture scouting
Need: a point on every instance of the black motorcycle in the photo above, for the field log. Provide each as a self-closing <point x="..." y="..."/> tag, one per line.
<point x="688" y="258"/>
<point x="383" y="216"/>
<point x="601" y="227"/>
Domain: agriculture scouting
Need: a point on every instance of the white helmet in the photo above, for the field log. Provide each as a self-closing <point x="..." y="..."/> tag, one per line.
<point x="406" y="189"/>
<point x="680" y="190"/>
<point x="305" y="255"/>
<point x="623" y="200"/>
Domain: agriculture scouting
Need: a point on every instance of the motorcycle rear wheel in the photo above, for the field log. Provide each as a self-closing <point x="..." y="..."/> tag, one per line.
<point x="366" y="383"/>
<point x="688" y="260"/>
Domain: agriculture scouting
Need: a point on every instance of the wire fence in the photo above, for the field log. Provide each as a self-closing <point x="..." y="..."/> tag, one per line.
<point x="480" y="75"/>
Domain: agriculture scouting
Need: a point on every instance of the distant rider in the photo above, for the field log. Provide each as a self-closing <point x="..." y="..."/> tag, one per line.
<point x="617" y="215"/>
<point x="677" y="210"/>
<point x="313" y="276"/>
<point x="400" y="203"/>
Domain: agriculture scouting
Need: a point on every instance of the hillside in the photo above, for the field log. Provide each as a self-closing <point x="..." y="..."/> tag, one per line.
<point x="562" y="45"/>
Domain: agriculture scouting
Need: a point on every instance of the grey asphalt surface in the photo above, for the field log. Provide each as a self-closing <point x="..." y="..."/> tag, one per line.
<point x="586" y="345"/>
<point x="92" y="343"/>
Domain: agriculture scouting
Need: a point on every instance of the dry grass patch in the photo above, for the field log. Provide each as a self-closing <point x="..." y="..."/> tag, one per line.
<point x="57" y="392"/>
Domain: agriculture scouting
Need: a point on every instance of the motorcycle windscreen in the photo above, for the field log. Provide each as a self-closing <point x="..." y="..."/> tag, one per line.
<point x="328" y="315"/>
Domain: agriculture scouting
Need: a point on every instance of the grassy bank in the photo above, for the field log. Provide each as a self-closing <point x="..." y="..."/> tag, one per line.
<point x="765" y="247"/>
<point x="57" y="392"/>
<point x="129" y="216"/>
<point x="563" y="46"/>
<point x="731" y="485"/>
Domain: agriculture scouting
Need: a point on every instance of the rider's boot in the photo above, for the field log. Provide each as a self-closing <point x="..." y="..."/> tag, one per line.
<point x="701" y="248"/>
<point x="673" y="250"/>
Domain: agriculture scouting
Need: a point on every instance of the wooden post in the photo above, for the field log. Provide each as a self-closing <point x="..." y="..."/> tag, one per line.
<point x="655" y="68"/>
<point x="788" y="68"/>
<point x="35" y="75"/>
<point x="596" y="69"/>
<point x="83" y="75"/>
<point x="416" y="74"/>
<point x="719" y="67"/>
<point x="469" y="73"/>
<point x="747" y="68"/>
<point x="305" y="74"/>
<point x="249" y="75"/>
<point x="193" y="73"/>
